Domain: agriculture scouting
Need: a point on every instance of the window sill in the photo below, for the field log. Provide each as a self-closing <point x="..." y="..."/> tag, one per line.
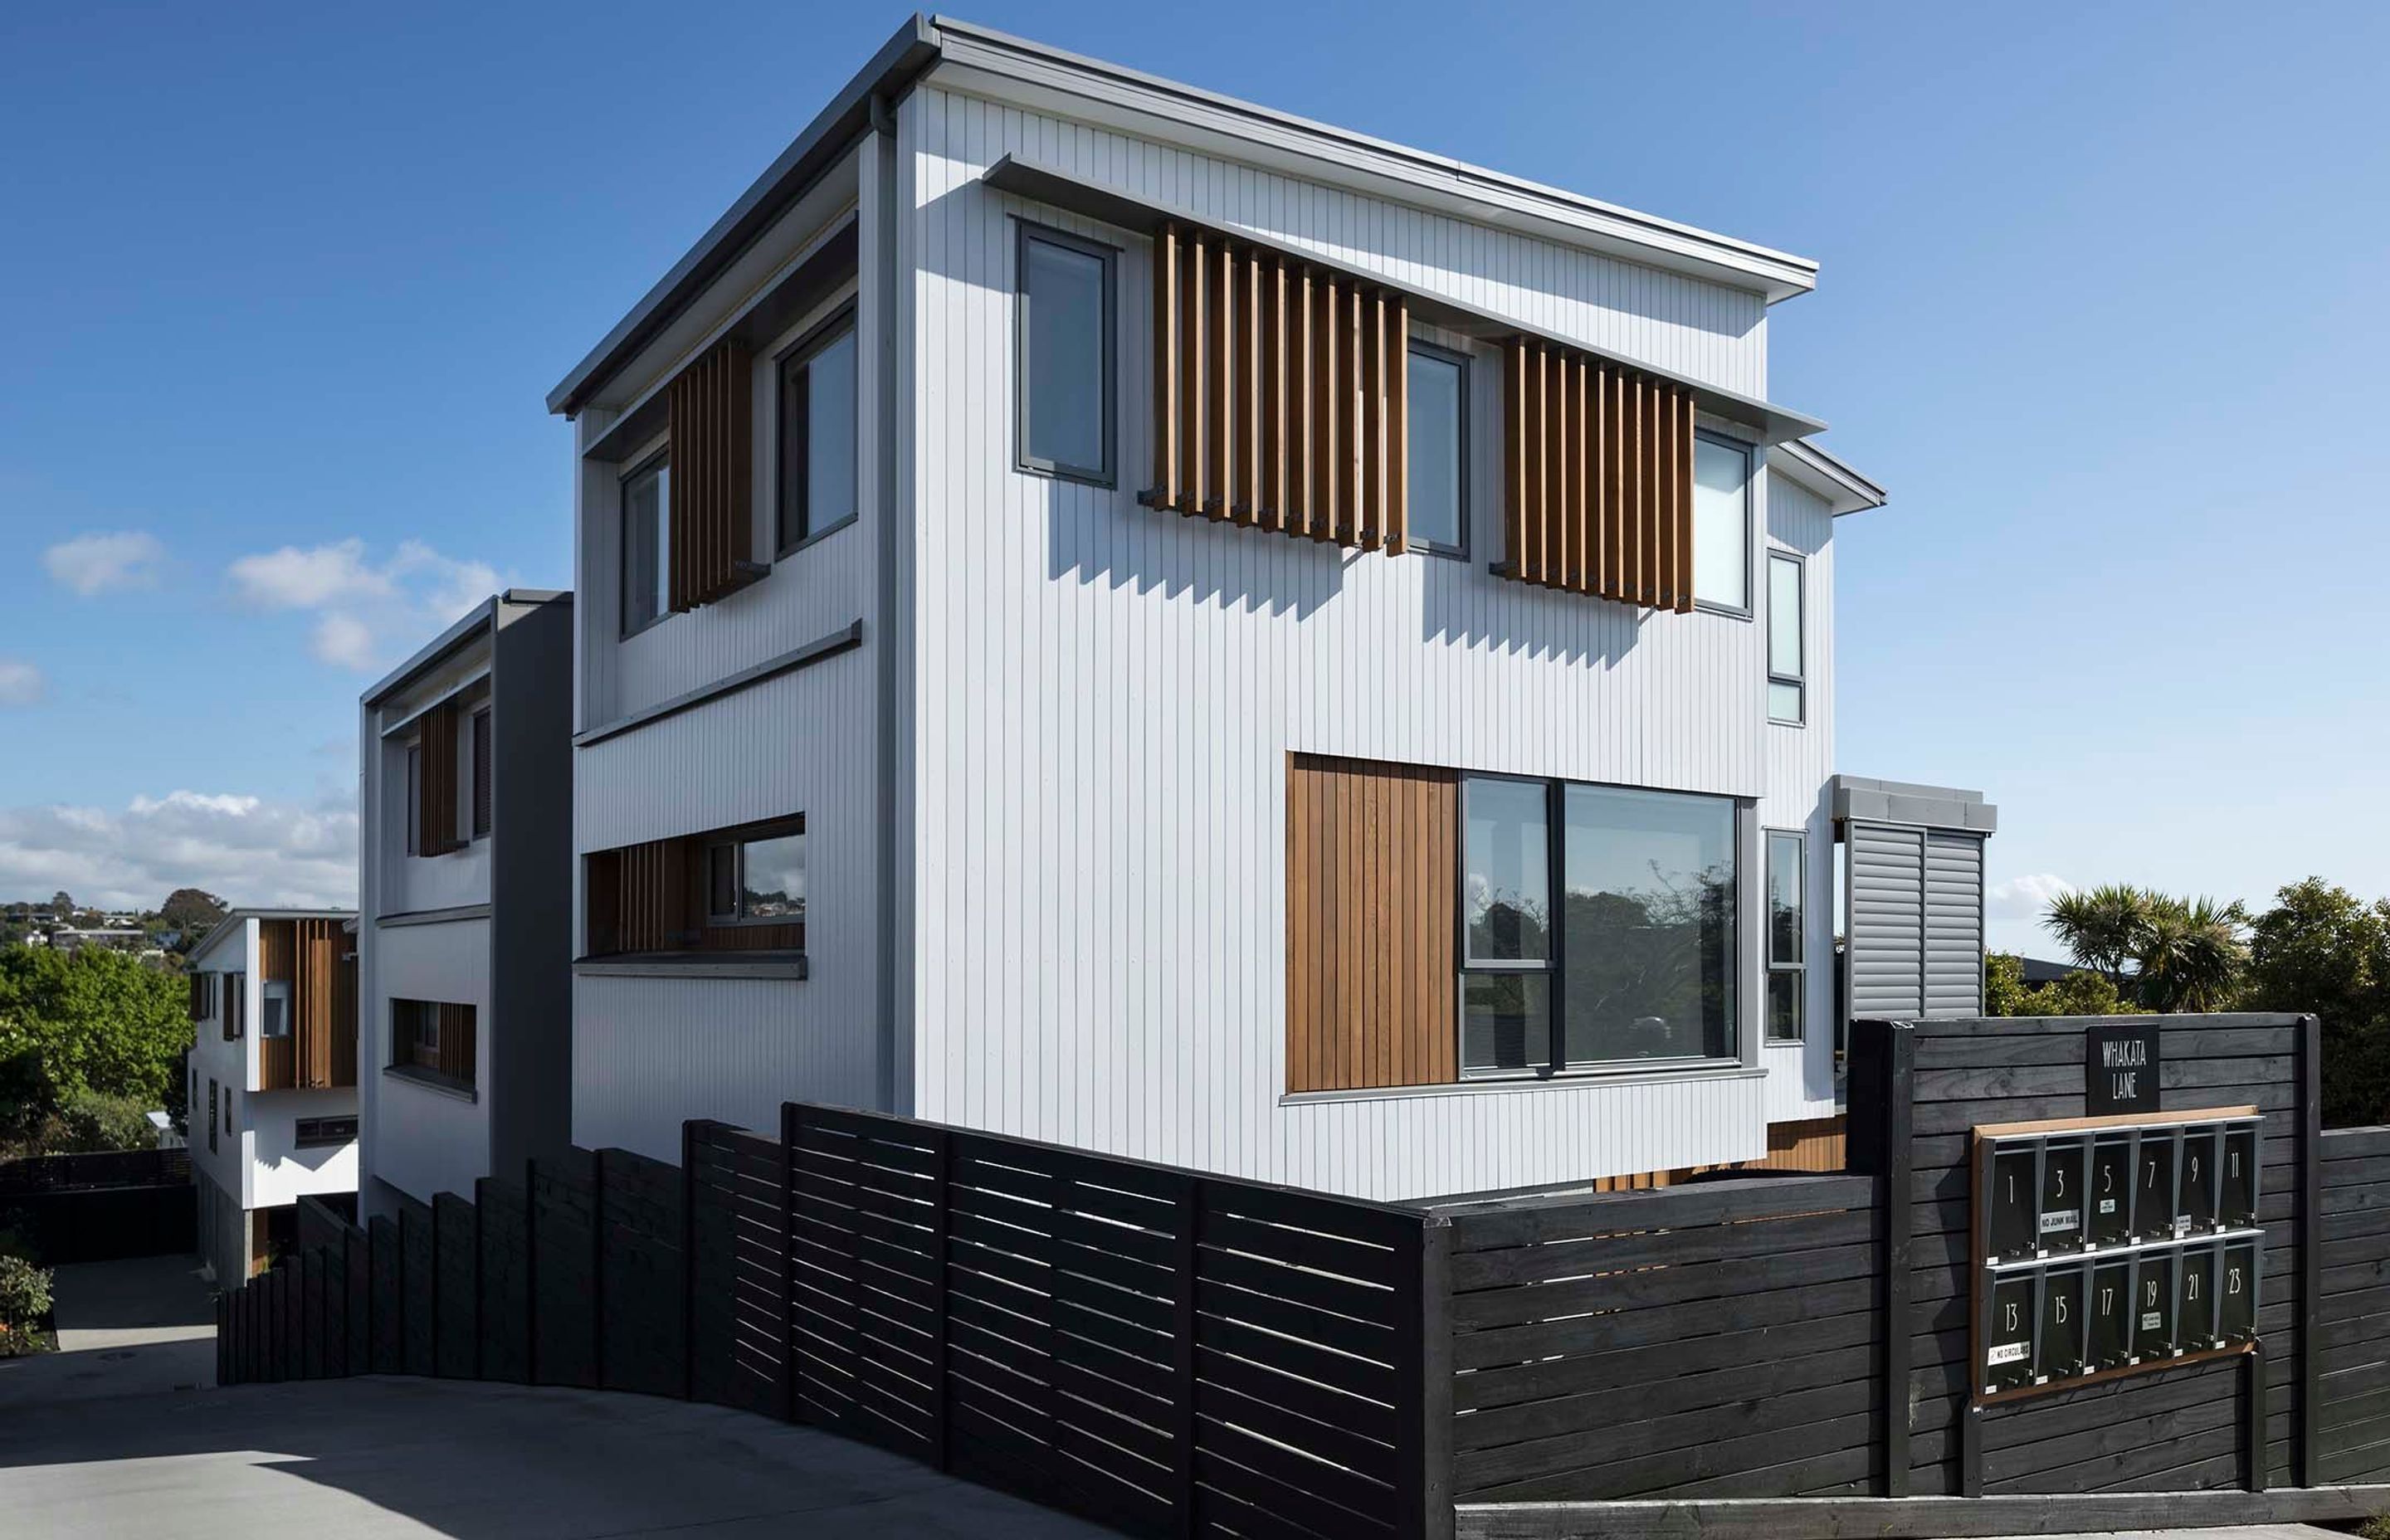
<point x="430" y="1081"/>
<point x="694" y="964"/>
<point x="817" y="537"/>
<point x="1575" y="1080"/>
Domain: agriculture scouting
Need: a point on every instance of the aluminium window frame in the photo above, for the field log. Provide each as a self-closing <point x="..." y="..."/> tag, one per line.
<point x="736" y="841"/>
<point x="1463" y="362"/>
<point x="1748" y="609"/>
<point x="661" y="460"/>
<point x="1769" y="966"/>
<point x="301" y="1138"/>
<point x="1105" y="476"/>
<point x="1556" y="1066"/>
<point x="1800" y="680"/>
<point x="843" y="319"/>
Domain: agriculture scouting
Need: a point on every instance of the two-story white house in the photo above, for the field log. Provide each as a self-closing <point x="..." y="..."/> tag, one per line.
<point x="273" y="1078"/>
<point x="1117" y="615"/>
<point x="464" y="828"/>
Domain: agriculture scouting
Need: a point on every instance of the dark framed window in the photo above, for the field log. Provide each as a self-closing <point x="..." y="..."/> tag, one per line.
<point x="274" y="1009"/>
<point x="1438" y="427"/>
<point x="315" y="1133"/>
<point x="1598" y="926"/>
<point x="647" y="543"/>
<point x="757" y="880"/>
<point x="484" y="794"/>
<point x="211" y="1117"/>
<point x="415" y="1034"/>
<point x="1063" y="342"/>
<point x="817" y="434"/>
<point x="414" y="799"/>
<point x="1722" y="523"/>
<point x="235" y="1003"/>
<point x="1788" y="930"/>
<point x="1787" y="620"/>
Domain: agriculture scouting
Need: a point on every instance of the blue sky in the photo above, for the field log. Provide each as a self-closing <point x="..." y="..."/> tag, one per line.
<point x="281" y="289"/>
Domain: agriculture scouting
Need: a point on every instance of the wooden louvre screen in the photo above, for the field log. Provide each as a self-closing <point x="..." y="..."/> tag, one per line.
<point x="1281" y="393"/>
<point x="1370" y="898"/>
<point x="435" y="782"/>
<point x="456" y="1043"/>
<point x="708" y="409"/>
<point x="1598" y="478"/>
<point x="641" y="898"/>
<point x="316" y="1002"/>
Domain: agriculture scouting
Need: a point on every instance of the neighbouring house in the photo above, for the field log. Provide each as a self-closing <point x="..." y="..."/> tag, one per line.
<point x="465" y="832"/>
<point x="273" y="1078"/>
<point x="113" y="939"/>
<point x="1118" y="615"/>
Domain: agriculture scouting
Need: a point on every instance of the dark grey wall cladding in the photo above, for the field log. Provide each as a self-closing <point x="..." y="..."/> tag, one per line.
<point x="564" y="1272"/>
<point x="503" y="1317"/>
<point x="457" y="1343"/>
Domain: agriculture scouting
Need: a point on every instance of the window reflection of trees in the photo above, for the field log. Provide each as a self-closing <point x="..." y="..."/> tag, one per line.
<point x="1649" y="973"/>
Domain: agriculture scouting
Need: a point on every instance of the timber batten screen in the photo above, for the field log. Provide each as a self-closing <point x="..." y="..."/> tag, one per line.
<point x="1371" y="896"/>
<point x="1597" y="478"/>
<point x="709" y="407"/>
<point x="1280" y="392"/>
<point x="435" y="782"/>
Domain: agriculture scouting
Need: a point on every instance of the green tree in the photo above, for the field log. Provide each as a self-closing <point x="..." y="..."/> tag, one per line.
<point x="2101" y="927"/>
<point x="77" y="1023"/>
<point x="2321" y="949"/>
<point x="192" y="911"/>
<point x="2081" y="993"/>
<point x="2190" y="955"/>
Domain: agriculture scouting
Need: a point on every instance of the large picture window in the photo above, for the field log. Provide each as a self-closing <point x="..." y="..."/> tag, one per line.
<point x="817" y="435"/>
<point x="1788" y="877"/>
<point x="1598" y="926"/>
<point x="1065" y="345"/>
<point x="1721" y="523"/>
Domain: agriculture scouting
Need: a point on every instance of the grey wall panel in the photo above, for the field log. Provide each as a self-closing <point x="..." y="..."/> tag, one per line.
<point x="1954" y="924"/>
<point x="1887" y="929"/>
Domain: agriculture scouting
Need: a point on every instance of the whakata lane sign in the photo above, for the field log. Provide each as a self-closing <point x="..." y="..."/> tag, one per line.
<point x="2120" y="1068"/>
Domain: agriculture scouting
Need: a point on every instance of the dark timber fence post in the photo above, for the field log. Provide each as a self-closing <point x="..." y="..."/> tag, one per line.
<point x="2310" y="1073"/>
<point x="2253" y="1417"/>
<point x="1432" y="1388"/>
<point x="1182" y="1363"/>
<point x="791" y="1116"/>
<point x="1883" y="1104"/>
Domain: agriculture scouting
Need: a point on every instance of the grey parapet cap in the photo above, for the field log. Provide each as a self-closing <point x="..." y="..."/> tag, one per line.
<point x="1881" y="802"/>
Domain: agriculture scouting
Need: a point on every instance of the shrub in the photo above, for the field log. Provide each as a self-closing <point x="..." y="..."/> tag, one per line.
<point x="24" y="1292"/>
<point x="93" y="1120"/>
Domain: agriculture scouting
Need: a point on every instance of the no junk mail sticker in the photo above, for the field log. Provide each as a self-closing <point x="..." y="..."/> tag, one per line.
<point x="2121" y="1069"/>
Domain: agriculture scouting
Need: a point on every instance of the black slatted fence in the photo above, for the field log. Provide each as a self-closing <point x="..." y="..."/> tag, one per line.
<point x="2352" y="1321"/>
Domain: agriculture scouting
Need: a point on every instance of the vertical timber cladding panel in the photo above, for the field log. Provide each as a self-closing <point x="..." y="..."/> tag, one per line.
<point x="435" y="782"/>
<point x="709" y="416"/>
<point x="278" y="962"/>
<point x="1281" y="393"/>
<point x="2162" y="1431"/>
<point x="1597" y="478"/>
<point x="1720" y="1339"/>
<point x="1887" y="955"/>
<point x="317" y="1000"/>
<point x="643" y="1312"/>
<point x="503" y="1308"/>
<point x="456" y="1351"/>
<point x="2353" y="1311"/>
<point x="389" y="1298"/>
<point x="1371" y="896"/>
<point x="563" y="1206"/>
<point x="740" y="1314"/>
<point x="419" y="1247"/>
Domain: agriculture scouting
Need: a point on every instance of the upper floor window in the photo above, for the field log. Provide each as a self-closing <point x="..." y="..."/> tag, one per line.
<point x="1438" y="427"/>
<point x="434" y="1038"/>
<point x="1787" y="669"/>
<point x="1064" y="341"/>
<point x="817" y="435"/>
<point x="646" y="544"/>
<point x="728" y="890"/>
<point x="1721" y="523"/>
<point x="1787" y="935"/>
<point x="757" y="881"/>
<point x="413" y="799"/>
<point x="484" y="793"/>
<point x="274" y="1009"/>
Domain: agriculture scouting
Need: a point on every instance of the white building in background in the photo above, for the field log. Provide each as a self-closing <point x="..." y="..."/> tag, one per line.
<point x="464" y="829"/>
<point x="1117" y="615"/>
<point x="273" y="1081"/>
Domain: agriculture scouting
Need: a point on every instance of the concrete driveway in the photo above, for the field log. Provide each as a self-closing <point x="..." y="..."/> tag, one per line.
<point x="386" y="1457"/>
<point x="124" y="1329"/>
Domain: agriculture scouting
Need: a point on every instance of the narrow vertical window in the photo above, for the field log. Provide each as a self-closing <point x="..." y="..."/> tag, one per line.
<point x="211" y="1117"/>
<point x="1721" y="523"/>
<point x="818" y="423"/>
<point x="646" y="544"/>
<point x="484" y="793"/>
<point x="1064" y="337"/>
<point x="413" y="799"/>
<point x="1788" y="879"/>
<point x="1438" y="431"/>
<point x="1506" y="999"/>
<point x="1787" y="667"/>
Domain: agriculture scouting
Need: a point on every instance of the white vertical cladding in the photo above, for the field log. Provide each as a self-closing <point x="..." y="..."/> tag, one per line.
<point x="423" y="1140"/>
<point x="1107" y="697"/>
<point x="1800" y="771"/>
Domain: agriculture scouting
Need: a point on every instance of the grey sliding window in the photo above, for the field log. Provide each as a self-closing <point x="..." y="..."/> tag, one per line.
<point x="817" y="435"/>
<point x="1787" y="936"/>
<point x="1438" y="428"/>
<point x="646" y="544"/>
<point x="1064" y="341"/>
<point x="1787" y="614"/>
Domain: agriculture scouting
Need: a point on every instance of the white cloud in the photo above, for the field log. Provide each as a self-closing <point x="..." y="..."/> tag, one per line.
<point x="91" y="564"/>
<point x="367" y="614"/>
<point x="2026" y="897"/>
<point x="247" y="849"/>
<point x="20" y="683"/>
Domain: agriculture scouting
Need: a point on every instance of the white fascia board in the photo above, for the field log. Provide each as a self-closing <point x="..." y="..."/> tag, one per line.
<point x="983" y="62"/>
<point x="1844" y="490"/>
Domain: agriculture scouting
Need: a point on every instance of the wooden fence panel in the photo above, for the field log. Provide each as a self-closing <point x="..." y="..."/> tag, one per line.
<point x="458" y="1288"/>
<point x="418" y="1292"/>
<point x="643" y="1325"/>
<point x="334" y="1259"/>
<point x="357" y="1265"/>
<point x="502" y="1312"/>
<point x="309" y="1267"/>
<point x="564" y="1311"/>
<point x="2353" y="1310"/>
<point x="738" y="1281"/>
<point x="389" y="1297"/>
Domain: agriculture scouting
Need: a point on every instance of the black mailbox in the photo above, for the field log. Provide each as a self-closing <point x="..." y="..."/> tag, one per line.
<point x="2240" y="1211"/>
<point x="2108" y="1219"/>
<point x="2154" y="1305"/>
<point x="2195" y="1298"/>
<point x="2013" y="1203"/>
<point x="2236" y="1294"/>
<point x="2202" y="1169"/>
<point x="2064" y="1177"/>
<point x="2153" y="1208"/>
<point x="2007" y="1356"/>
<point x="2061" y="1322"/>
<point x="2111" y="1328"/>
